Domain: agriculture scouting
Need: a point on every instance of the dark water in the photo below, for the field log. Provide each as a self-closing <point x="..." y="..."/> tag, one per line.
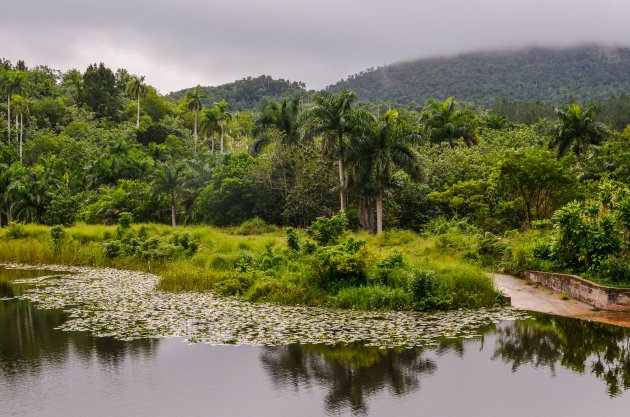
<point x="532" y="368"/>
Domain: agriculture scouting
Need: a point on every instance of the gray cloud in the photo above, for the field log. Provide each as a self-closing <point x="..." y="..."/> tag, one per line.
<point x="179" y="44"/>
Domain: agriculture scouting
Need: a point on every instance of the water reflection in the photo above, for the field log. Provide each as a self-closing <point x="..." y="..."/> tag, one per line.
<point x="28" y="339"/>
<point x="351" y="373"/>
<point x="578" y="345"/>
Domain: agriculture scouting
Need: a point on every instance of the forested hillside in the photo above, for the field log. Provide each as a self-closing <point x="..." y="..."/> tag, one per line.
<point x="247" y="93"/>
<point x="551" y="75"/>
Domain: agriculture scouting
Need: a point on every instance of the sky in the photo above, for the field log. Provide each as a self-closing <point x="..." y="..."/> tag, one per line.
<point x="180" y="43"/>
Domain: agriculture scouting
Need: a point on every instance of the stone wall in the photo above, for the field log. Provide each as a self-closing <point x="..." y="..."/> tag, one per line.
<point x="606" y="298"/>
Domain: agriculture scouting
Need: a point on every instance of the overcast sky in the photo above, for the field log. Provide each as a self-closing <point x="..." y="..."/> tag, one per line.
<point x="180" y="43"/>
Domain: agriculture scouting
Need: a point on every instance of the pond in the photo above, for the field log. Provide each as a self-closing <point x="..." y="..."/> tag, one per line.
<point x="539" y="366"/>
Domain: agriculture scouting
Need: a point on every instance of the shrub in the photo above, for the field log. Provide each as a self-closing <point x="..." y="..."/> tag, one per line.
<point x="422" y="284"/>
<point x="341" y="265"/>
<point x="57" y="234"/>
<point x="255" y="226"/>
<point x="326" y="231"/>
<point x="125" y="219"/>
<point x="293" y="241"/>
<point x="16" y="230"/>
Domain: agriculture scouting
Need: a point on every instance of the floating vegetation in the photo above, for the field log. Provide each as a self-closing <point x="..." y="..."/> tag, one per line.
<point x="127" y="306"/>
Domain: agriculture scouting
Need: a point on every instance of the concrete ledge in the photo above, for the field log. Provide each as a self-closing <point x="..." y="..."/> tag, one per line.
<point x="606" y="298"/>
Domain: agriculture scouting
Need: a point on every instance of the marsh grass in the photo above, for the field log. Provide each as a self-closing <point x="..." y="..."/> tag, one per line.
<point x="257" y="265"/>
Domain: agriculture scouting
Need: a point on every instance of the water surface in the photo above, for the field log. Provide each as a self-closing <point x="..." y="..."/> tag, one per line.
<point x="546" y="366"/>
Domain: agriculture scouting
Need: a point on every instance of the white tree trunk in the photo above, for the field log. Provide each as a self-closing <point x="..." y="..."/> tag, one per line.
<point x="342" y="193"/>
<point x="221" y="137"/>
<point x="17" y="128"/>
<point x="9" y="117"/>
<point x="379" y="212"/>
<point x="195" y="132"/>
<point x="21" y="135"/>
<point x="173" y="216"/>
<point x="138" y="116"/>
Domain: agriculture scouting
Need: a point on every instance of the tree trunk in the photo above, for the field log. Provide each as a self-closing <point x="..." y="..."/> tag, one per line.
<point x="21" y="135"/>
<point x="9" y="117"/>
<point x="366" y="213"/>
<point x="379" y="212"/>
<point x="342" y="194"/>
<point x="17" y="128"/>
<point x="221" y="138"/>
<point x="173" y="215"/>
<point x="195" y="132"/>
<point x="138" y="116"/>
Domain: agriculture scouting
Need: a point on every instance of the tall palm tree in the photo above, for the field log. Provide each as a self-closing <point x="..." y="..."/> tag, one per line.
<point x="209" y="124"/>
<point x="137" y="88"/>
<point x="283" y="117"/>
<point x="576" y="130"/>
<point x="171" y="179"/>
<point x="332" y="118"/>
<point x="445" y="122"/>
<point x="21" y="107"/>
<point x="223" y="118"/>
<point x="11" y="82"/>
<point x="381" y="147"/>
<point x="193" y="103"/>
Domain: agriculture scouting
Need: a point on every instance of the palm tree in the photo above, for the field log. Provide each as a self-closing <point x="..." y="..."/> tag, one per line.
<point x="576" y="130"/>
<point x="21" y="107"/>
<point x="193" y="103"/>
<point x="170" y="179"/>
<point x="136" y="88"/>
<point x="332" y="118"/>
<point x="381" y="146"/>
<point x="445" y="122"/>
<point x="11" y="82"/>
<point x="209" y="124"/>
<point x="283" y="117"/>
<point x="223" y="117"/>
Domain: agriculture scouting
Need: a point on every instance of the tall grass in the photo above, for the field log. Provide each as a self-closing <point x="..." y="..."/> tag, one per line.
<point x="257" y="265"/>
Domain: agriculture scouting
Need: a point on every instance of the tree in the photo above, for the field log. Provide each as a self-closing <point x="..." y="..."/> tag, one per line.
<point x="21" y="107"/>
<point x="381" y="148"/>
<point x="445" y="122"/>
<point x="576" y="130"/>
<point x="193" y="103"/>
<point x="100" y="91"/>
<point x="137" y="88"/>
<point x="283" y="117"/>
<point x="223" y="117"/>
<point x="11" y="82"/>
<point x="171" y="180"/>
<point x="332" y="118"/>
<point x="209" y="124"/>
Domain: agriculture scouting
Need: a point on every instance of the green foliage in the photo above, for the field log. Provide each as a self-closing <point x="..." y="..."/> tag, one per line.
<point x="341" y="265"/>
<point x="125" y="219"/>
<point x="552" y="75"/>
<point x="328" y="230"/>
<point x="16" y="230"/>
<point x="255" y="226"/>
<point x="57" y="233"/>
<point x="293" y="240"/>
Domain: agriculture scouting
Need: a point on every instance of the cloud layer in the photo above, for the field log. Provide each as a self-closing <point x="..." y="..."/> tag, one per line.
<point x="179" y="44"/>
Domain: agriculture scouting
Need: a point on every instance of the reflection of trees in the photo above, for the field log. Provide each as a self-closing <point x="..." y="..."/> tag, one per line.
<point x="28" y="339"/>
<point x="579" y="345"/>
<point x="350" y="373"/>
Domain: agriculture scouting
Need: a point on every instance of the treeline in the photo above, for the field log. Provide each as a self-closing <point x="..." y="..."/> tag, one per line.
<point x="552" y="75"/>
<point x="96" y="144"/>
<point x="248" y="93"/>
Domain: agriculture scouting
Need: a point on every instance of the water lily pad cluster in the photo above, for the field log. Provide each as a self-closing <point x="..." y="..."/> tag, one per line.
<point x="126" y="305"/>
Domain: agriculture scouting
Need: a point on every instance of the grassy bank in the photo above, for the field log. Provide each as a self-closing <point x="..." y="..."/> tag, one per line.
<point x="258" y="262"/>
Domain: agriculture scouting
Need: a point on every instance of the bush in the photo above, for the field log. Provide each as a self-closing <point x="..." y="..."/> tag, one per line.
<point x="293" y="241"/>
<point x="125" y="219"/>
<point x="341" y="265"/>
<point x="16" y="230"/>
<point x="375" y="297"/>
<point x="57" y="233"/>
<point x="255" y="226"/>
<point x="326" y="231"/>
<point x="422" y="284"/>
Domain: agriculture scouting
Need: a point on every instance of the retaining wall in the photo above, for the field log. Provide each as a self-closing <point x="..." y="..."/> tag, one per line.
<point x="606" y="298"/>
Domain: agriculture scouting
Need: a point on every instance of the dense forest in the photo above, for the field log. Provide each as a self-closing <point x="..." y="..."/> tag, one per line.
<point x="103" y="147"/>
<point x="248" y="93"/>
<point x="555" y="76"/>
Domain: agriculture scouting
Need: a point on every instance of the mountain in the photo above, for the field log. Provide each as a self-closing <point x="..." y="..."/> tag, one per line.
<point x="552" y="75"/>
<point x="248" y="93"/>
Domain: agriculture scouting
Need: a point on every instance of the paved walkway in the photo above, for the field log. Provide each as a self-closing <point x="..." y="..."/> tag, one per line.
<point x="538" y="298"/>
